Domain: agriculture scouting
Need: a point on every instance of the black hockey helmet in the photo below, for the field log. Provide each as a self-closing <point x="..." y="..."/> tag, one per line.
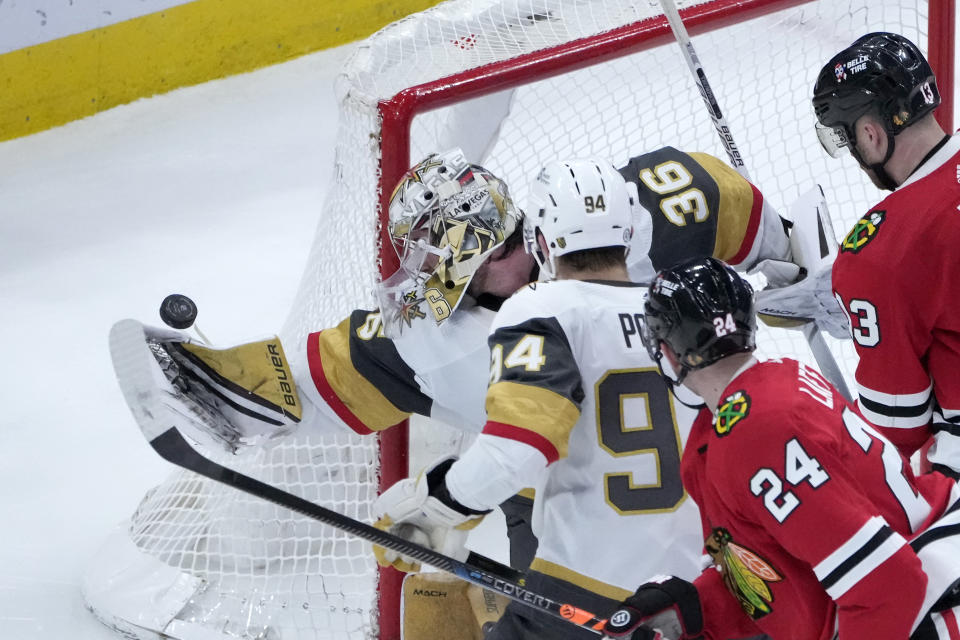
<point x="880" y="73"/>
<point x="703" y="310"/>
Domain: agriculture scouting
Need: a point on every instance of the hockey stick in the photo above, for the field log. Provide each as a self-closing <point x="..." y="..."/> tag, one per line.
<point x="818" y="346"/>
<point x="156" y="409"/>
<point x="477" y="569"/>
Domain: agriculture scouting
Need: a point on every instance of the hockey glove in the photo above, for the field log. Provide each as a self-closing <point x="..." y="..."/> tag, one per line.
<point x="796" y="303"/>
<point x="231" y="399"/>
<point x="421" y="510"/>
<point x="666" y="605"/>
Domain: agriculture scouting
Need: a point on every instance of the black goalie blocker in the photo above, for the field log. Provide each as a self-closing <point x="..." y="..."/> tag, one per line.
<point x="703" y="311"/>
<point x="882" y="74"/>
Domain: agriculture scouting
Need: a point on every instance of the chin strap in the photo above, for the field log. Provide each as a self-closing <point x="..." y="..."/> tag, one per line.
<point x="672" y="384"/>
<point x="879" y="168"/>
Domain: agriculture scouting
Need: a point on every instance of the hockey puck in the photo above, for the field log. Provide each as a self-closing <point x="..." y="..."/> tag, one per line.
<point x="178" y="311"/>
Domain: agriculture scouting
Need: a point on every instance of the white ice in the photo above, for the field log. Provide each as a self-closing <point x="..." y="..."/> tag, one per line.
<point x="212" y="191"/>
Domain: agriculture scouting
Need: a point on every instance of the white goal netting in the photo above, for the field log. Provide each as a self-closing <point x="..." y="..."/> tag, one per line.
<point x="198" y="560"/>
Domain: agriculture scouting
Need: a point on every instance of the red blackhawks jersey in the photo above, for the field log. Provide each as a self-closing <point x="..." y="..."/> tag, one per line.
<point x="816" y="525"/>
<point x="898" y="278"/>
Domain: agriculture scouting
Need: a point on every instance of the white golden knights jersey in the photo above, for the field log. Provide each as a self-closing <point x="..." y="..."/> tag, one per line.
<point x="372" y="382"/>
<point x="816" y="522"/>
<point x="697" y="206"/>
<point x="897" y="276"/>
<point x="573" y="391"/>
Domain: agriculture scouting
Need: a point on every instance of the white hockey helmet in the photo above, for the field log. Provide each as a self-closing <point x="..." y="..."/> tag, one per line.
<point x="446" y="217"/>
<point x="577" y="205"/>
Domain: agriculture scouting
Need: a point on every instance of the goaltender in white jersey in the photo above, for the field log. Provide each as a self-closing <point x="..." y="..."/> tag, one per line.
<point x="575" y="407"/>
<point x="427" y="354"/>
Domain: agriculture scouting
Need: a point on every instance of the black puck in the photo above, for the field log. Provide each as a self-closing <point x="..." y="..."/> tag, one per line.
<point x="178" y="311"/>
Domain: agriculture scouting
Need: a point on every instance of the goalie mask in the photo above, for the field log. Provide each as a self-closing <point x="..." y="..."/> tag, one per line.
<point x="703" y="311"/>
<point x="575" y="206"/>
<point x="446" y="217"/>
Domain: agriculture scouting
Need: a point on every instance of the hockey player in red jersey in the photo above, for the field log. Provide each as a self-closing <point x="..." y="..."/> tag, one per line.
<point x="816" y="526"/>
<point x="895" y="273"/>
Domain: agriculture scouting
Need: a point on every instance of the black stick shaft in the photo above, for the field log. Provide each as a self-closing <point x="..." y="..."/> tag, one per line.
<point x="477" y="569"/>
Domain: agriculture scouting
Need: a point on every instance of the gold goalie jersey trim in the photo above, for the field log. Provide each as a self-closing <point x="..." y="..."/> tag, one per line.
<point x="361" y="376"/>
<point x="698" y="204"/>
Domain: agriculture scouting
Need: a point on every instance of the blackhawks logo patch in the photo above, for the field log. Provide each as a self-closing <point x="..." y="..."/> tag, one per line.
<point x="745" y="573"/>
<point x="733" y="409"/>
<point x="863" y="232"/>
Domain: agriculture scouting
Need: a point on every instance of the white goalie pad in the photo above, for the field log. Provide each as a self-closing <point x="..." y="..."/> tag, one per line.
<point x="811" y="239"/>
<point x="791" y="302"/>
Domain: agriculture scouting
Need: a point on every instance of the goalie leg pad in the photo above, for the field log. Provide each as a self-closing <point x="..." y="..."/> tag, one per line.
<point x="433" y="601"/>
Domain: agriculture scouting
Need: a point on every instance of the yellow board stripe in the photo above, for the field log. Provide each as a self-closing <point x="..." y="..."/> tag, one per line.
<point x="584" y="582"/>
<point x="50" y="84"/>
<point x="736" y="205"/>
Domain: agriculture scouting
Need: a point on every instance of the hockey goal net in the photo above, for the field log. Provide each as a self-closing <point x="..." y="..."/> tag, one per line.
<point x="514" y="83"/>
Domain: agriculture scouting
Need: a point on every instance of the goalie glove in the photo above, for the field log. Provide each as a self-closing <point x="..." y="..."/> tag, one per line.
<point x="227" y="399"/>
<point x="421" y="510"/>
<point x="801" y="291"/>
<point x="794" y="303"/>
<point x="666" y="608"/>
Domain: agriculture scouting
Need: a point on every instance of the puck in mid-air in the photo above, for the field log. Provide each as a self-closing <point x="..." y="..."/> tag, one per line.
<point x="178" y="311"/>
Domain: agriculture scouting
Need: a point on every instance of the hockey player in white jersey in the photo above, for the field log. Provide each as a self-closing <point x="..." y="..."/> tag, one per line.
<point x="576" y="407"/>
<point x="426" y="354"/>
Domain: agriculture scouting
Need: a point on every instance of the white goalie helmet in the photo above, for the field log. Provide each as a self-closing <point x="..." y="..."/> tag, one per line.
<point x="446" y="217"/>
<point x="577" y="205"/>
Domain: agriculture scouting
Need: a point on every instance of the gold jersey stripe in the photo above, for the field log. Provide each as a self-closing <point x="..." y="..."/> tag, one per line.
<point x="528" y="492"/>
<point x="544" y="412"/>
<point x="735" y="208"/>
<point x="356" y="393"/>
<point x="548" y="568"/>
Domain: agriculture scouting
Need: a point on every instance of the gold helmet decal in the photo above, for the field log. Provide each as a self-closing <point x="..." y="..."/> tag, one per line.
<point x="446" y="217"/>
